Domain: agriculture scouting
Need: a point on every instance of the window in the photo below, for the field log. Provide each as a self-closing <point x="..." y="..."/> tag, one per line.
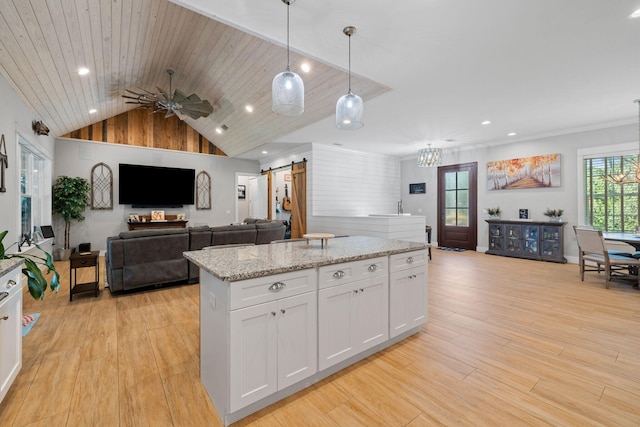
<point x="457" y="198"/>
<point x="608" y="206"/>
<point x="32" y="173"/>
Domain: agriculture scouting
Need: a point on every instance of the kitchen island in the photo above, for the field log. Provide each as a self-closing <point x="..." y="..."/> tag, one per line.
<point x="277" y="318"/>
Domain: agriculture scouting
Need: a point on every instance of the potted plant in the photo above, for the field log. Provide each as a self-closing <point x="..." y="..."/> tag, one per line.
<point x="36" y="281"/>
<point x="70" y="198"/>
<point x="554" y="215"/>
<point x="493" y="212"/>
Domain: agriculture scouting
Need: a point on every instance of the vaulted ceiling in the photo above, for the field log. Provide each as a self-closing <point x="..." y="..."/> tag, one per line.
<point x="430" y="71"/>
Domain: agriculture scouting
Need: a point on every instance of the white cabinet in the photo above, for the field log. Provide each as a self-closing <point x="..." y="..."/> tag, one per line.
<point x="273" y="345"/>
<point x="407" y="291"/>
<point x="353" y="315"/>
<point x="10" y="329"/>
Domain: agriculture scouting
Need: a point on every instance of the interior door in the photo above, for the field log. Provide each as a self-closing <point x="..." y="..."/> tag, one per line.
<point x="457" y="206"/>
<point x="258" y="197"/>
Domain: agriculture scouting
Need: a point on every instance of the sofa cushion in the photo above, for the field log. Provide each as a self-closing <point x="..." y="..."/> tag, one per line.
<point x="154" y="232"/>
<point x="233" y="234"/>
<point x="269" y="231"/>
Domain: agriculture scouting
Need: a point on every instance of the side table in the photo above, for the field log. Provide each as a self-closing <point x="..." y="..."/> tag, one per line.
<point x="82" y="260"/>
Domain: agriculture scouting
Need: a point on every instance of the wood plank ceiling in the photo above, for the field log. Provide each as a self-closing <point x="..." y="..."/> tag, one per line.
<point x="130" y="44"/>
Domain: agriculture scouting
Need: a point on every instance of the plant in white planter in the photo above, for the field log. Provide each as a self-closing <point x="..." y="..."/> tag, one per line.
<point x="70" y="199"/>
<point x="554" y="214"/>
<point x="36" y="281"/>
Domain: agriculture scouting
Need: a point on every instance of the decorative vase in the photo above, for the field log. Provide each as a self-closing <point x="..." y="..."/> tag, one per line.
<point x="555" y="219"/>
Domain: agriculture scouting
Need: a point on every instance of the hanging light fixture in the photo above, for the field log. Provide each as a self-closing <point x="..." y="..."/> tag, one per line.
<point x="287" y="89"/>
<point x="349" y="109"/>
<point x="632" y="176"/>
<point x="429" y="157"/>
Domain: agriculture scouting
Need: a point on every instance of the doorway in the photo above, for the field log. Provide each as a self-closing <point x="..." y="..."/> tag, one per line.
<point x="457" y="206"/>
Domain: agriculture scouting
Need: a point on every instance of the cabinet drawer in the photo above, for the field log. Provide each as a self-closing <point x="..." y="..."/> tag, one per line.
<point x="346" y="272"/>
<point x="399" y="262"/>
<point x="83" y="262"/>
<point x="245" y="293"/>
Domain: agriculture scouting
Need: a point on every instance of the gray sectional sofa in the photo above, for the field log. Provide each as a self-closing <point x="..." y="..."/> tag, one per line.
<point x="136" y="259"/>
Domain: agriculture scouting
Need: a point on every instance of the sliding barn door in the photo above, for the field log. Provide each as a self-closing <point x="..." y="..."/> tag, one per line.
<point x="298" y="200"/>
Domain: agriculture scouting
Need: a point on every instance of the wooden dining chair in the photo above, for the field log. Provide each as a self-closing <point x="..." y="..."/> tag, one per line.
<point x="592" y="250"/>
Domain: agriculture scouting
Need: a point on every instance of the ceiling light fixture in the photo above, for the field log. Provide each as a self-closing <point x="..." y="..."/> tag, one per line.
<point x="632" y="176"/>
<point x="287" y="88"/>
<point x="349" y="108"/>
<point x="92" y="111"/>
<point x="174" y="103"/>
<point x="486" y="122"/>
<point x="428" y="157"/>
<point x="511" y="134"/>
<point x="249" y="108"/>
<point x="635" y="14"/>
<point x="83" y="71"/>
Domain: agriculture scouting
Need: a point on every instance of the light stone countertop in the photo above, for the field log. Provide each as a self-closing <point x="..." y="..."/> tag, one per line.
<point x="246" y="262"/>
<point x="8" y="265"/>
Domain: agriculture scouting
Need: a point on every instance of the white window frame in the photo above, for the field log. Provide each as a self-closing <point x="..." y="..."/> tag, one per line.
<point x="43" y="189"/>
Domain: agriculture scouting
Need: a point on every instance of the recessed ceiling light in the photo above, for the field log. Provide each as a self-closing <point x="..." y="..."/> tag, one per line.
<point x="93" y="110"/>
<point x="635" y="14"/>
<point x="218" y="130"/>
<point x="264" y="152"/>
<point x="249" y="108"/>
<point x="486" y="122"/>
<point x="83" y="71"/>
<point x="305" y="67"/>
<point x="511" y="134"/>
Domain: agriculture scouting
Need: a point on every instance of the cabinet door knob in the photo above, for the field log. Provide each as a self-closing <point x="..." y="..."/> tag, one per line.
<point x="410" y="260"/>
<point x="283" y="311"/>
<point x="339" y="274"/>
<point x="273" y="313"/>
<point x="373" y="268"/>
<point x="361" y="290"/>
<point x="10" y="284"/>
<point x="5" y="317"/>
<point x="277" y="287"/>
<point x="355" y="291"/>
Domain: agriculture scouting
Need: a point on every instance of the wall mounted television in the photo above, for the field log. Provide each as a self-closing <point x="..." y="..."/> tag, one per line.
<point x="154" y="186"/>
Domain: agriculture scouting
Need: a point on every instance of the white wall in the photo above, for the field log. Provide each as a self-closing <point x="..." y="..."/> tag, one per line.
<point x="16" y="117"/>
<point x="510" y="201"/>
<point x="76" y="158"/>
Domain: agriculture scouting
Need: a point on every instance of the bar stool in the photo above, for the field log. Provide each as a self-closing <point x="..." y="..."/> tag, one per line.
<point x="428" y="230"/>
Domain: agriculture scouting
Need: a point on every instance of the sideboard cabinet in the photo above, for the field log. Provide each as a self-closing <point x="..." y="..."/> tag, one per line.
<point x="542" y="241"/>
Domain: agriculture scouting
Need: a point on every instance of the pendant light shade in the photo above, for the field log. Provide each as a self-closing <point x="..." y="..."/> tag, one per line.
<point x="349" y="108"/>
<point x="428" y="157"/>
<point x="287" y="88"/>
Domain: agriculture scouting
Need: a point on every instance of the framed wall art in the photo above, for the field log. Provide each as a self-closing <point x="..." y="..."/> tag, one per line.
<point x="242" y="192"/>
<point x="527" y="172"/>
<point x="418" y="188"/>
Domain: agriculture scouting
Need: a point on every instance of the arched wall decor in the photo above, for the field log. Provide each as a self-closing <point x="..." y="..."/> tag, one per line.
<point x="203" y="191"/>
<point x="101" y="187"/>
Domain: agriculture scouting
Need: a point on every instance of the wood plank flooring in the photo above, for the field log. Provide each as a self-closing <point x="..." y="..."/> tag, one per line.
<point x="509" y="342"/>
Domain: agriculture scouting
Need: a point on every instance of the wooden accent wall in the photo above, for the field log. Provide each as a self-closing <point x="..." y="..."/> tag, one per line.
<point x="141" y="128"/>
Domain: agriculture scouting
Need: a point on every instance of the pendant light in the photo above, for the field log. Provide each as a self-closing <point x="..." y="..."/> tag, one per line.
<point x="632" y="176"/>
<point x="349" y="109"/>
<point x="428" y="157"/>
<point x="287" y="89"/>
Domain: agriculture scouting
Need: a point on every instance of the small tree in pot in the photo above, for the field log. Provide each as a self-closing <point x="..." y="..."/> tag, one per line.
<point x="70" y="198"/>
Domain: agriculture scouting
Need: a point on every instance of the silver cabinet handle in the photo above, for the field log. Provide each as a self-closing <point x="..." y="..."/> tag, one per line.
<point x="10" y="284"/>
<point x="410" y="260"/>
<point x="277" y="287"/>
<point x="283" y="311"/>
<point x="273" y="313"/>
<point x="373" y="268"/>
<point x="5" y="317"/>
<point x="339" y="274"/>
<point x="361" y="290"/>
<point x="355" y="291"/>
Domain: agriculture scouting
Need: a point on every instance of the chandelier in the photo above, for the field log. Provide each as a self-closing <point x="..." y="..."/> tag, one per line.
<point x="287" y="88"/>
<point x="631" y="176"/>
<point x="429" y="157"/>
<point x="349" y="108"/>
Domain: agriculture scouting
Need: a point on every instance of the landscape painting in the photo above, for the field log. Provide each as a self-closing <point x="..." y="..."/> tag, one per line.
<point x="527" y="172"/>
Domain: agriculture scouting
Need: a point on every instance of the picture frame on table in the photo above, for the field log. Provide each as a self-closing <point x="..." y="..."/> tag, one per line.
<point x="157" y="215"/>
<point x="134" y="217"/>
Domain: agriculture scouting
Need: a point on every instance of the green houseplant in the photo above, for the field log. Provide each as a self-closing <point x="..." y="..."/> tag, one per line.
<point x="493" y="212"/>
<point x="35" y="279"/>
<point x="554" y="214"/>
<point x="70" y="198"/>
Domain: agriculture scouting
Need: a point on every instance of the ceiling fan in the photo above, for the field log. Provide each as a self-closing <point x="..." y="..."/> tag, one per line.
<point x="176" y="103"/>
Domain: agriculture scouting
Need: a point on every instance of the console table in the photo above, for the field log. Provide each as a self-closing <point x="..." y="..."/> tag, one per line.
<point x="82" y="260"/>
<point x="145" y="225"/>
<point x="538" y="240"/>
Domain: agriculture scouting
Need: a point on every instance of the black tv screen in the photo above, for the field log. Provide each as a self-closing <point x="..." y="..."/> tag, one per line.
<point x="153" y="186"/>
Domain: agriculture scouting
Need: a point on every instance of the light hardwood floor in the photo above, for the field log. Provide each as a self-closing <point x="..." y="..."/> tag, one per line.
<point x="509" y="342"/>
